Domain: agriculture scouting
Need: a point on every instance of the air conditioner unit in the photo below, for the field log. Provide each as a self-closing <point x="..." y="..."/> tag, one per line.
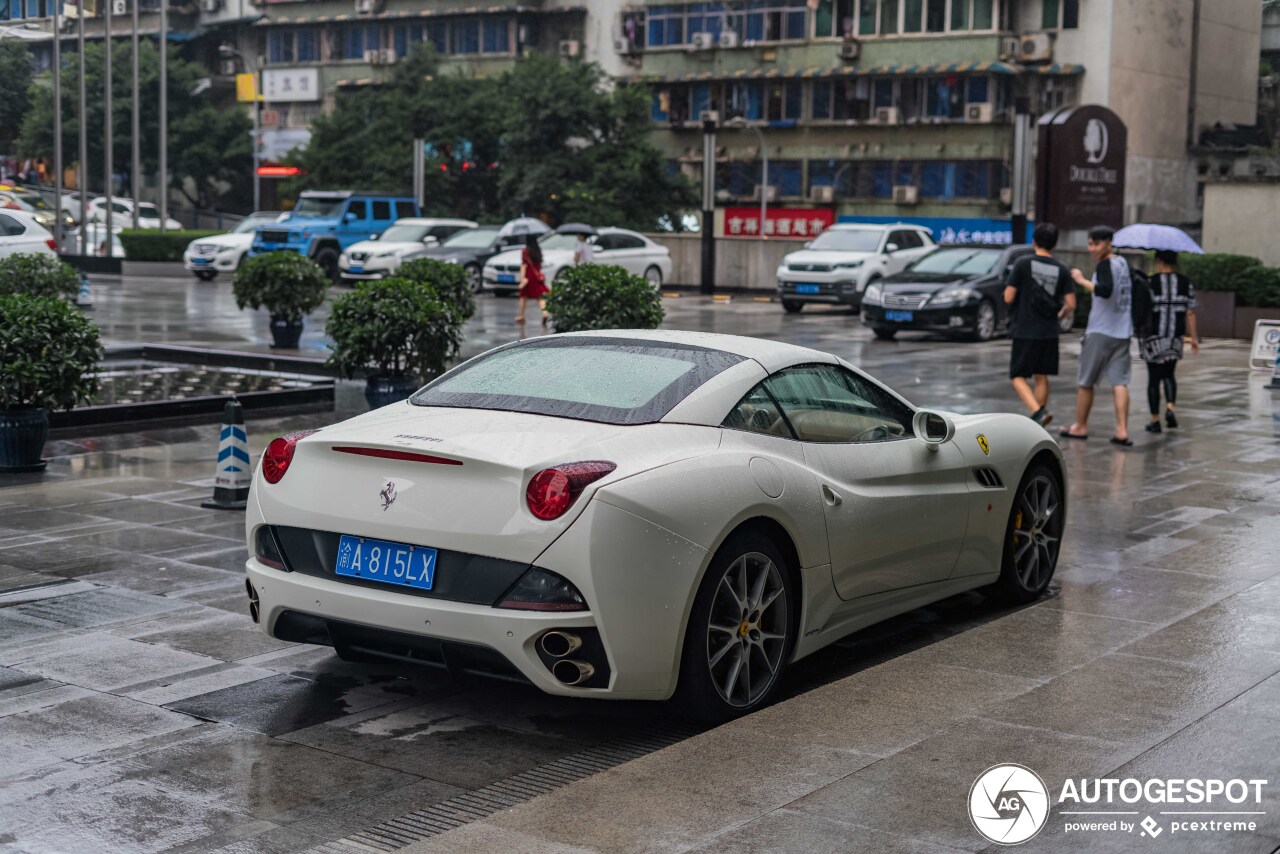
<point x="373" y="57"/>
<point x="979" y="113"/>
<point x="906" y="194"/>
<point x="625" y="46"/>
<point x="119" y="7"/>
<point x="1006" y="196"/>
<point x="712" y="116"/>
<point x="389" y="57"/>
<point x="849" y="50"/>
<point x="822" y="195"/>
<point x="570" y="47"/>
<point x="1010" y="47"/>
<point x="888" y="116"/>
<point x="728" y="39"/>
<point x="769" y="196"/>
<point x="368" y="7"/>
<point x="703" y="41"/>
<point x="1035" y="47"/>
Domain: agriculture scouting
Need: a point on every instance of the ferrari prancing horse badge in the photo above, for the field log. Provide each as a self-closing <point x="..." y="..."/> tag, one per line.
<point x="982" y="443"/>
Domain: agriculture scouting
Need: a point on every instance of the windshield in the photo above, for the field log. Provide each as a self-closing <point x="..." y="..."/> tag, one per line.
<point x="34" y="200"/>
<point x="959" y="262"/>
<point x="405" y="234"/>
<point x="473" y="238"/>
<point x="319" y="206"/>
<point x="847" y="240"/>
<point x="610" y="380"/>
<point x="251" y="223"/>
<point x="14" y="203"/>
<point x="148" y="210"/>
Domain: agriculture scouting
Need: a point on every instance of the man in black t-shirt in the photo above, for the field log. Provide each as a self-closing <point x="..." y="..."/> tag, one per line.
<point x="1039" y="293"/>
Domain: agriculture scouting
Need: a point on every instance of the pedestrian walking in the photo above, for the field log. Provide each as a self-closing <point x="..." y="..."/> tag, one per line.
<point x="533" y="285"/>
<point x="1038" y="292"/>
<point x="1105" y="349"/>
<point x="1173" y="300"/>
<point x="582" y="250"/>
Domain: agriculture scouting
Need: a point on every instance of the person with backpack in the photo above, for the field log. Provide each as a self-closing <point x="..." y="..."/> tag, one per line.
<point x="1173" y="319"/>
<point x="1038" y="292"/>
<point x="1117" y="299"/>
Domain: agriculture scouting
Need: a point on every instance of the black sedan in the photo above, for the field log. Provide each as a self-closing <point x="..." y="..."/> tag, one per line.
<point x="471" y="248"/>
<point x="955" y="290"/>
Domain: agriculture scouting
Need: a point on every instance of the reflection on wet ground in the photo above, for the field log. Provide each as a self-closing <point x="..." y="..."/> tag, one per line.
<point x="141" y="710"/>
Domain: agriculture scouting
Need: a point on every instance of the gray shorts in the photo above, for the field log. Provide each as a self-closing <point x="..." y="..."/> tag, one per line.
<point x="1102" y="353"/>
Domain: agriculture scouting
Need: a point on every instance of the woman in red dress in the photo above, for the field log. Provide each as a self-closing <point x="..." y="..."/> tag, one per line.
<point x="533" y="285"/>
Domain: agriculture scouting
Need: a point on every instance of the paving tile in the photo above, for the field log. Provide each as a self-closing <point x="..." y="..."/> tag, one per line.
<point x="1148" y="595"/>
<point x="211" y="632"/>
<point x="145" y="512"/>
<point x="160" y="576"/>
<point x="98" y="608"/>
<point x="788" y="830"/>
<point x="109" y="663"/>
<point x="482" y="836"/>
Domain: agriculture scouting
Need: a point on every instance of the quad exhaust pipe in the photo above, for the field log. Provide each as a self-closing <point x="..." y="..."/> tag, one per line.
<point x="253" y="600"/>
<point x="558" y="644"/>
<point x="572" y="672"/>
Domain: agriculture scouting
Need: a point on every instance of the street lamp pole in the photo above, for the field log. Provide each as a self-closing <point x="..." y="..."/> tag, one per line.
<point x="82" y="175"/>
<point x="164" y="113"/>
<point x="709" y="121"/>
<point x="57" y="125"/>
<point x="108" y="127"/>
<point x="135" y="127"/>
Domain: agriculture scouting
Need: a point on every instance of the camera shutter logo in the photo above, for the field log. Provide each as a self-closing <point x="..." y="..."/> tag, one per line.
<point x="1008" y="804"/>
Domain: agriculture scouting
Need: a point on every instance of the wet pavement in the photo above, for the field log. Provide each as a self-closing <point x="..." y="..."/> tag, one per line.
<point x="141" y="710"/>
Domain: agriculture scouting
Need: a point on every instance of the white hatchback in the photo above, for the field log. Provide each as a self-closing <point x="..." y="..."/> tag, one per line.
<point x="122" y="214"/>
<point x="630" y="250"/>
<point x="19" y="232"/>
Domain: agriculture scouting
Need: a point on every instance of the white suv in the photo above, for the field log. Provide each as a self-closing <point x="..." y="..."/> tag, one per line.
<point x="837" y="265"/>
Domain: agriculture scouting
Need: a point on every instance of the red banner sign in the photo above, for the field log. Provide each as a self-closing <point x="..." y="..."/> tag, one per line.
<point x="800" y="223"/>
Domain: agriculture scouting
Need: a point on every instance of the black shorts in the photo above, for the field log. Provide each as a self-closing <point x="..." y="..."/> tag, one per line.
<point x="1032" y="356"/>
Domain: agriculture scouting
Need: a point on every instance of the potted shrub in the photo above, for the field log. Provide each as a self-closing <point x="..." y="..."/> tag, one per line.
<point x="397" y="332"/>
<point x="39" y="275"/>
<point x="47" y="354"/>
<point x="285" y="284"/>
<point x="448" y="281"/>
<point x="601" y="296"/>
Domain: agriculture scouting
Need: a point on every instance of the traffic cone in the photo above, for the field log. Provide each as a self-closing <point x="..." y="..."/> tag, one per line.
<point x="84" y="297"/>
<point x="231" y="474"/>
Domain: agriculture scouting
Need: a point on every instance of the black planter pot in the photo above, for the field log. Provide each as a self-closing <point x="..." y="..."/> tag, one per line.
<point x="382" y="391"/>
<point x="22" y="435"/>
<point x="285" y="333"/>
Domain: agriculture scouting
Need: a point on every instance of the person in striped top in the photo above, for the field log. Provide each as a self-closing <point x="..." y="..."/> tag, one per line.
<point x="1174" y="310"/>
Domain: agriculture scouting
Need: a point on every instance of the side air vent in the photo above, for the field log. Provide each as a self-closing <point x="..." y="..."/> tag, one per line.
<point x="988" y="477"/>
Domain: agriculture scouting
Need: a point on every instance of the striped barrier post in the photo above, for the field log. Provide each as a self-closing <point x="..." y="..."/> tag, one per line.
<point x="233" y="470"/>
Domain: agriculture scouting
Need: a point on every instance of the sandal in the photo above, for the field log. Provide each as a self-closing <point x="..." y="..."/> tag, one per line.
<point x="1066" y="433"/>
<point x="1126" y="443"/>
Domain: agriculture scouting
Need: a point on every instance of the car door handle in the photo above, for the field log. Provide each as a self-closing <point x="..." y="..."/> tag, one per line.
<point x="830" y="496"/>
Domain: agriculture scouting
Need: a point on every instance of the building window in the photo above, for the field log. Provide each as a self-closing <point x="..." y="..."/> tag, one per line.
<point x="756" y="21"/>
<point x="835" y="18"/>
<point x="1060" y="14"/>
<point x="785" y="101"/>
<point x="944" y="97"/>
<point x="744" y="100"/>
<point x="406" y="36"/>
<point x="356" y="40"/>
<point x="497" y="36"/>
<point x="464" y="36"/>
<point x="308" y="46"/>
<point x="279" y="46"/>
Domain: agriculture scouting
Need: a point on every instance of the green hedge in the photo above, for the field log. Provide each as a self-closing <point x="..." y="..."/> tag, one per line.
<point x="1254" y="284"/>
<point x="150" y="244"/>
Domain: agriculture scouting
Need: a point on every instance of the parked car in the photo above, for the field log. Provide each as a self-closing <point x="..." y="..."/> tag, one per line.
<point x="206" y="257"/>
<point x="956" y="290"/>
<point x="95" y="234"/>
<point x="629" y="249"/>
<point x="471" y="248"/>
<point x="381" y="256"/>
<point x="325" y="222"/>
<point x="640" y="514"/>
<point x="21" y="232"/>
<point x="837" y="266"/>
<point x="69" y="204"/>
<point x="122" y="214"/>
<point x="20" y="198"/>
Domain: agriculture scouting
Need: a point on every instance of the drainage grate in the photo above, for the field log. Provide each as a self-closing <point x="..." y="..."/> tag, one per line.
<point x="397" y="833"/>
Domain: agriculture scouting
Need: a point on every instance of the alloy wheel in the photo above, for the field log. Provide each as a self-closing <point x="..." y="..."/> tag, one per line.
<point x="1037" y="531"/>
<point x="653" y="276"/>
<point x="986" y="321"/>
<point x="747" y="630"/>
<point x="473" y="277"/>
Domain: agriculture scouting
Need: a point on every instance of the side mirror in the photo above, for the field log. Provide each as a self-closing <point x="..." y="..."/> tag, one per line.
<point x="431" y="240"/>
<point x="890" y="248"/>
<point x="348" y="217"/>
<point x="932" y="428"/>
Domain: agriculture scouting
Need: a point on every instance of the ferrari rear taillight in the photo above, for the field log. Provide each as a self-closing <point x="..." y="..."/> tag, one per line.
<point x="552" y="491"/>
<point x="279" y="454"/>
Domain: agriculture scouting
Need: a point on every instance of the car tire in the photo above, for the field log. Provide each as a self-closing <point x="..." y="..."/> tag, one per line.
<point x="206" y="275"/>
<point x="760" y="599"/>
<point x="654" y="277"/>
<point x="473" y="277"/>
<point x="327" y="259"/>
<point x="1033" y="537"/>
<point x="984" y="322"/>
<point x="884" y="333"/>
<point x="792" y="307"/>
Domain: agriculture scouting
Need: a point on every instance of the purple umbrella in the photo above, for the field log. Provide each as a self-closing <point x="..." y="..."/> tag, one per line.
<point x="1159" y="238"/>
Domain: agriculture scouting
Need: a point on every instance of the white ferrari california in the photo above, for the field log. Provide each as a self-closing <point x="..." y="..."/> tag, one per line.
<point x="633" y="514"/>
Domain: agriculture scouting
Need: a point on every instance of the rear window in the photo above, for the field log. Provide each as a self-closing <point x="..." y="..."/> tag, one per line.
<point x="609" y="380"/>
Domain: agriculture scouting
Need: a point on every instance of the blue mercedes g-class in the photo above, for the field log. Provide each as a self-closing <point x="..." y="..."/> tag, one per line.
<point x="324" y="222"/>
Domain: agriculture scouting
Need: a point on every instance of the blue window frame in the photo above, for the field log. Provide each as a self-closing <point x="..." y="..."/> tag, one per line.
<point x="465" y="36"/>
<point x="882" y="180"/>
<point x="438" y="35"/>
<point x="979" y="90"/>
<point x="786" y="176"/>
<point x="308" y="46"/>
<point x="821" y="99"/>
<point x="279" y="46"/>
<point x="700" y="99"/>
<point x="406" y="36"/>
<point x="496" y="36"/>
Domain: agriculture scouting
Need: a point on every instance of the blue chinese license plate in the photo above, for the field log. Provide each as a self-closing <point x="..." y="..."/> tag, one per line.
<point x="357" y="268"/>
<point x="900" y="316"/>
<point x="389" y="563"/>
<point x="201" y="260"/>
<point x="506" y="278"/>
<point x="808" y="289"/>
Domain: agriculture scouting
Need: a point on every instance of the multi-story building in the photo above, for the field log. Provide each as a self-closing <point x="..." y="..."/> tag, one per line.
<point x="903" y="108"/>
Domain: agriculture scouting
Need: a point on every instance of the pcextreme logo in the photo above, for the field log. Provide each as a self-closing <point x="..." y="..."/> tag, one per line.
<point x="1009" y="804"/>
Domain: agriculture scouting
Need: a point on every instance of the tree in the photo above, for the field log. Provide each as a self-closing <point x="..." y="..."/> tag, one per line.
<point x="210" y="149"/>
<point x="16" y="73"/>
<point x="545" y="138"/>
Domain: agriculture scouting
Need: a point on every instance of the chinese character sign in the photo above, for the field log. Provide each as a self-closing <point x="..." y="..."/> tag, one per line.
<point x="790" y="223"/>
<point x="290" y="84"/>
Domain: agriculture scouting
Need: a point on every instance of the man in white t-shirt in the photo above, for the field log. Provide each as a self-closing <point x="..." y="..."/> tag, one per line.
<point x="1106" y="340"/>
<point x="582" y="251"/>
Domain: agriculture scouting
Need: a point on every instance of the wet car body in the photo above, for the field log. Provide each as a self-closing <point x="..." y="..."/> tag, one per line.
<point x="954" y="290"/>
